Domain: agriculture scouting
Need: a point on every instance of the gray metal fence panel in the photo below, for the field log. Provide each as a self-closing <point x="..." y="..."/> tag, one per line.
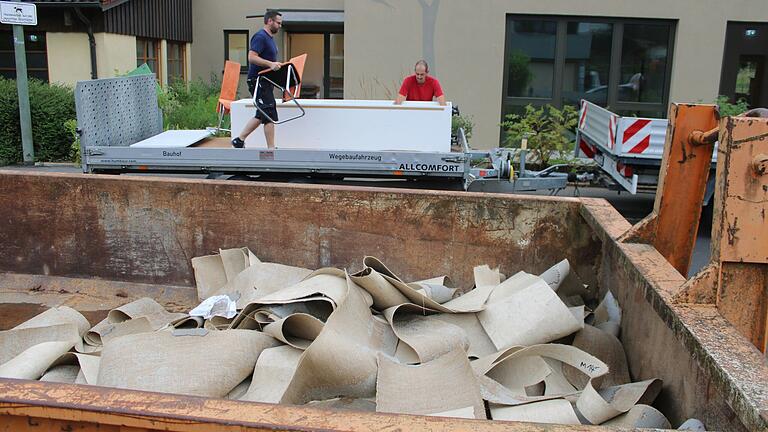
<point x="117" y="112"/>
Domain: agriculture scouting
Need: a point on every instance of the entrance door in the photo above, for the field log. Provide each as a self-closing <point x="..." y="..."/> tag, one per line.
<point x="324" y="72"/>
<point x="745" y="64"/>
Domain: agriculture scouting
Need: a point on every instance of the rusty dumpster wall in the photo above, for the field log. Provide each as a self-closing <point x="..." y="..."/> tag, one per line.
<point x="145" y="230"/>
<point x="103" y="236"/>
<point x="709" y="370"/>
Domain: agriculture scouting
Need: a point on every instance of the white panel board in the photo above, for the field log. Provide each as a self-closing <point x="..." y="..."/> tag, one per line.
<point x="358" y="125"/>
<point x="174" y="139"/>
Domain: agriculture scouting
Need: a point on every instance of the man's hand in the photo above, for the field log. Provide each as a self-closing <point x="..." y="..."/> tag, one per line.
<point x="275" y="66"/>
<point x="399" y="100"/>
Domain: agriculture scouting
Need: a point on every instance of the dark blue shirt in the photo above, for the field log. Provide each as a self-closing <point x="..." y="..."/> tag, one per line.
<point x="264" y="45"/>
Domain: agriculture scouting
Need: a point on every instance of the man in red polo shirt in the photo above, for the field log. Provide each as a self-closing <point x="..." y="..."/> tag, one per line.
<point x="420" y="86"/>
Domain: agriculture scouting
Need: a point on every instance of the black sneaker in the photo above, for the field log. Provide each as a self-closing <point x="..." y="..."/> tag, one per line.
<point x="238" y="143"/>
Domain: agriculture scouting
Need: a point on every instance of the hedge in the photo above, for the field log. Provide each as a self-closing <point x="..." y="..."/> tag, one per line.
<point x="51" y="106"/>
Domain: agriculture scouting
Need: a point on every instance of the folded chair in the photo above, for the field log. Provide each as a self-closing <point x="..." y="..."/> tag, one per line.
<point x="288" y="80"/>
<point x="229" y="84"/>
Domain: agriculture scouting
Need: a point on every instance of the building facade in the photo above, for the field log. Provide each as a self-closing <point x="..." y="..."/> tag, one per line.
<point x="493" y="57"/>
<point x="82" y="39"/>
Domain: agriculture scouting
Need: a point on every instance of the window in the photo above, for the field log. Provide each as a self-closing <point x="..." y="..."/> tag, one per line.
<point x="177" y="61"/>
<point x="37" y="57"/>
<point x="148" y="51"/>
<point x="744" y="75"/>
<point x="587" y="62"/>
<point x="335" y="63"/>
<point x="623" y="64"/>
<point x="644" y="53"/>
<point x="236" y="47"/>
<point x="531" y="59"/>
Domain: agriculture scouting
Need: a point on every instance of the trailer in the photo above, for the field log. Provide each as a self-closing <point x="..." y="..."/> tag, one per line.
<point x="121" y="131"/>
<point x="628" y="150"/>
<point x="95" y="241"/>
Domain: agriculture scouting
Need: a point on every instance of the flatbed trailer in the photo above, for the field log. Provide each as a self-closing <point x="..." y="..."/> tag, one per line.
<point x="118" y="137"/>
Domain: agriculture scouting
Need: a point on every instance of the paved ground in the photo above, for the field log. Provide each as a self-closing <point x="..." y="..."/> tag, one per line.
<point x="632" y="207"/>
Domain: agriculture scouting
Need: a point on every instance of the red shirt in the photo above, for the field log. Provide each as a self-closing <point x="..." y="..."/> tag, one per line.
<point x="421" y="92"/>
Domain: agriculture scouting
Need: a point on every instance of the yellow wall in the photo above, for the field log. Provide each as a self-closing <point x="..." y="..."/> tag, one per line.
<point x="69" y="57"/>
<point x="115" y="54"/>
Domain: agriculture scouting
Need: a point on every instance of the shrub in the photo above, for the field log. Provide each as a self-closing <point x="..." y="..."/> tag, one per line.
<point x="462" y="121"/>
<point x="50" y="106"/>
<point x="549" y="130"/>
<point x="190" y="106"/>
<point x="728" y="109"/>
<point x="74" y="148"/>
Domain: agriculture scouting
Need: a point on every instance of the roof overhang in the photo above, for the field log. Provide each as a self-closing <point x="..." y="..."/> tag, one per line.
<point x="303" y="18"/>
<point x="103" y="4"/>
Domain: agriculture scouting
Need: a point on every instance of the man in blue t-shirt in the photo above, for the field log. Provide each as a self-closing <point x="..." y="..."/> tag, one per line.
<point x="262" y="55"/>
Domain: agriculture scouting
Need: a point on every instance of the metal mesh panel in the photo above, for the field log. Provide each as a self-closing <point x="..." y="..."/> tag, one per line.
<point x="117" y="112"/>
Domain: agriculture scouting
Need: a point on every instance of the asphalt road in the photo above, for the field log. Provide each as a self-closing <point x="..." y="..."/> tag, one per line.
<point x="633" y="207"/>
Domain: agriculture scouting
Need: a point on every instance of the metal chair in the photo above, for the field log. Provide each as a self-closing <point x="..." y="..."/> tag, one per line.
<point x="228" y="93"/>
<point x="290" y="74"/>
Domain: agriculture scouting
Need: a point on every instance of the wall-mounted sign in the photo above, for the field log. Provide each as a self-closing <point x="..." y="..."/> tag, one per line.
<point x="16" y="13"/>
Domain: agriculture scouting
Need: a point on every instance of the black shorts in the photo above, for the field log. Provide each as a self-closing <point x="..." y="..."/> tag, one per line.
<point x="265" y="101"/>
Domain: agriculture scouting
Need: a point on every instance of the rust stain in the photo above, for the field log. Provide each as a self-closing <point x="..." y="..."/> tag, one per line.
<point x="732" y="230"/>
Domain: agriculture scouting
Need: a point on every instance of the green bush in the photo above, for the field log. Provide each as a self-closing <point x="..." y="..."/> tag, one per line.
<point x="50" y="106"/>
<point x="728" y="109"/>
<point x="462" y="121"/>
<point x="190" y="106"/>
<point x="549" y="130"/>
<point x="74" y="148"/>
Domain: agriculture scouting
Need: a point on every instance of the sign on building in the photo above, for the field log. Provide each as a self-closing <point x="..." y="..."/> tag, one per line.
<point x="16" y="13"/>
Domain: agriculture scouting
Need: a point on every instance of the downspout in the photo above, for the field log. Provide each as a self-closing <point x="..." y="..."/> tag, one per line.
<point x="91" y="40"/>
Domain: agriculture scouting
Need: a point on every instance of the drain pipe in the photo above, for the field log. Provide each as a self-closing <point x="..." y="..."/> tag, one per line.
<point x="91" y="40"/>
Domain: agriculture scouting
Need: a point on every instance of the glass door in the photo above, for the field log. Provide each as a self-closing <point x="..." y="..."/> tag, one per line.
<point x="324" y="72"/>
<point x="745" y="64"/>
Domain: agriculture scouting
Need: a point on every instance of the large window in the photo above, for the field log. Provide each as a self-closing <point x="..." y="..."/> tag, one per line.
<point x="37" y="57"/>
<point x="236" y="46"/>
<point x="177" y="61"/>
<point x="616" y="63"/>
<point x="148" y="51"/>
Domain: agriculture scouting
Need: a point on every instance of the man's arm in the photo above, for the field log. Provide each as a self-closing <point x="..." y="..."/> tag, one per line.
<point x="253" y="57"/>
<point x="439" y="93"/>
<point x="403" y="93"/>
